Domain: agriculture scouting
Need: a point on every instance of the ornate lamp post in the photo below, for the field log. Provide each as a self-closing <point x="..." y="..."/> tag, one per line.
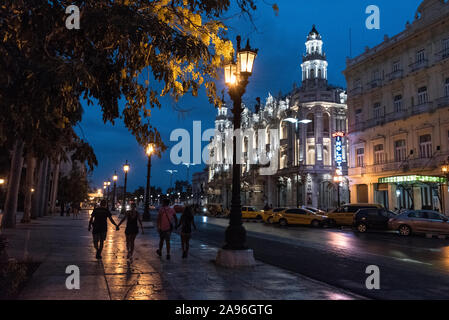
<point x="125" y="169"/>
<point x="236" y="79"/>
<point x="146" y="212"/>
<point x="114" y="195"/>
<point x="338" y="179"/>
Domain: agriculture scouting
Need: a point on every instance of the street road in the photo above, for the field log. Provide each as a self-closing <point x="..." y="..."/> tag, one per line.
<point x="411" y="268"/>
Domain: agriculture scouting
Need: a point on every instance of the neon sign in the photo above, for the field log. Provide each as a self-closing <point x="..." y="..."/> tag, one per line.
<point x="339" y="148"/>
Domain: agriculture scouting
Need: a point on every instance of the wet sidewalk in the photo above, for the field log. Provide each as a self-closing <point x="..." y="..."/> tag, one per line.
<point x="58" y="242"/>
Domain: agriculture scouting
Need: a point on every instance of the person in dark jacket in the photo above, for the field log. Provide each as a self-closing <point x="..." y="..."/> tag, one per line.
<point x="99" y="221"/>
<point x="186" y="222"/>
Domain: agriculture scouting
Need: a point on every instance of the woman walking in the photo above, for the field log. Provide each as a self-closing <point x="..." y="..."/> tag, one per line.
<point x="186" y="222"/>
<point x="132" y="229"/>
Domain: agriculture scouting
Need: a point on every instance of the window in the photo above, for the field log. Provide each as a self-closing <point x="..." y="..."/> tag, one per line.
<point x="433" y="216"/>
<point x="445" y="48"/>
<point x="360" y="152"/>
<point x="446" y="88"/>
<point x="396" y="66"/>
<point x="340" y="125"/>
<point x="420" y="56"/>
<point x="422" y="95"/>
<point x="379" y="154"/>
<point x="311" y="125"/>
<point x="358" y="115"/>
<point x="400" y="151"/>
<point x="377" y="110"/>
<point x="425" y="146"/>
<point x="311" y="155"/>
<point x="398" y="103"/>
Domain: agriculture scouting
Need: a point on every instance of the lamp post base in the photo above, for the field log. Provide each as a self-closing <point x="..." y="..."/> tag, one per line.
<point x="235" y="258"/>
<point x="235" y="238"/>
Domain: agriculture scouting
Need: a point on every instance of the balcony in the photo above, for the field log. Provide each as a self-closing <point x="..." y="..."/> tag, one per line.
<point x="443" y="55"/>
<point x="395" y="75"/>
<point x="442" y="102"/>
<point x="374" y="84"/>
<point x="419" y="65"/>
<point x="422" y="108"/>
<point x="356" y="91"/>
<point x="396" y="115"/>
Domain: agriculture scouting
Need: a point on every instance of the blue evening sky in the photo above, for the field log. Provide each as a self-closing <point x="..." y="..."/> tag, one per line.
<point x="280" y="40"/>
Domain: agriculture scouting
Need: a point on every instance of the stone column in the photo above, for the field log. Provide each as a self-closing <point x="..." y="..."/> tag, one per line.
<point x="319" y="137"/>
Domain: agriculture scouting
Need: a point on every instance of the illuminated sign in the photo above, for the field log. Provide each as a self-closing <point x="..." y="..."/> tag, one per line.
<point x="338" y="149"/>
<point x="338" y="134"/>
<point x="413" y="178"/>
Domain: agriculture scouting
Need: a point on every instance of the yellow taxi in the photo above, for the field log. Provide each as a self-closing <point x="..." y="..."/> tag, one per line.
<point x="251" y="213"/>
<point x="299" y="216"/>
<point x="344" y="216"/>
<point x="268" y="215"/>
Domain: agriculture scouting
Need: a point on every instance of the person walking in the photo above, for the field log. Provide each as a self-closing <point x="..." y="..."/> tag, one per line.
<point x="132" y="217"/>
<point x="99" y="221"/>
<point x="186" y="222"/>
<point x="166" y="220"/>
<point x="76" y="209"/>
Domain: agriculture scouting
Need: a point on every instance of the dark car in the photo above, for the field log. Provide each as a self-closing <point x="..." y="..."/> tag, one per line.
<point x="372" y="219"/>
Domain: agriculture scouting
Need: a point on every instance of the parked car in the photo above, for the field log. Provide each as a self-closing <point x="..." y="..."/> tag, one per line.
<point x="344" y="216"/>
<point x="300" y="217"/>
<point x="372" y="219"/>
<point x="420" y="221"/>
<point x="268" y="215"/>
<point x="251" y="213"/>
<point x="315" y="210"/>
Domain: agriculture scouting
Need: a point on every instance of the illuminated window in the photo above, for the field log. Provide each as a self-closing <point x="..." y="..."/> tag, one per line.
<point x="379" y="154"/>
<point x="400" y="151"/>
<point x="311" y="156"/>
<point x="360" y="157"/>
<point x="425" y="146"/>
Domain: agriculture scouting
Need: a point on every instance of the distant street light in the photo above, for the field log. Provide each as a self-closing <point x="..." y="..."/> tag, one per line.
<point x="146" y="212"/>
<point x="114" y="196"/>
<point x="125" y="169"/>
<point x="171" y="176"/>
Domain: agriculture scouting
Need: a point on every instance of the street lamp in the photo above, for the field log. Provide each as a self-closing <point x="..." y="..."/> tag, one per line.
<point x="114" y="196"/>
<point x="171" y="176"/>
<point x="146" y="212"/>
<point x="125" y="169"/>
<point x="236" y="79"/>
<point x="445" y="171"/>
<point x="338" y="179"/>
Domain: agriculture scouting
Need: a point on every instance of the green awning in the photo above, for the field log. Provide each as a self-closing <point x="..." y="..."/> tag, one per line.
<point x="412" y="179"/>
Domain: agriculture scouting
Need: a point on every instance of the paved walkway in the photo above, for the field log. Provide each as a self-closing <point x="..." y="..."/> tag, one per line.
<point x="61" y="241"/>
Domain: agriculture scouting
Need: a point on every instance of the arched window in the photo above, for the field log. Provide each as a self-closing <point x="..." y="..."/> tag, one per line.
<point x="446" y="87"/>
<point x="312" y="74"/>
<point x="320" y="75"/>
<point x="326" y="125"/>
<point x="284" y="130"/>
<point x="311" y="125"/>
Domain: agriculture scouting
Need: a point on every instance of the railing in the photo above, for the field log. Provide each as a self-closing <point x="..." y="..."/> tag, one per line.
<point x="419" y="65"/>
<point x="374" y="83"/>
<point x="355" y="91"/>
<point x="395" y="75"/>
<point x="443" y="55"/>
<point x="442" y="102"/>
<point x="422" y="108"/>
<point x="402" y="114"/>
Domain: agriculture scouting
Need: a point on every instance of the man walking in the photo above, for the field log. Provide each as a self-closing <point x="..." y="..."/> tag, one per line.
<point x="166" y="221"/>
<point x="100" y="226"/>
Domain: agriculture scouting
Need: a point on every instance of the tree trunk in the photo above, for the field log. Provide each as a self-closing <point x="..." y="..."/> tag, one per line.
<point x="46" y="199"/>
<point x="43" y="192"/>
<point x="36" y="199"/>
<point x="54" y="189"/>
<point x="15" y="174"/>
<point x="29" y="189"/>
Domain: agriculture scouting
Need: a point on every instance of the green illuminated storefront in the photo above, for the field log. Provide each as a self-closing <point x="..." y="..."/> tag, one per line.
<point x="414" y="191"/>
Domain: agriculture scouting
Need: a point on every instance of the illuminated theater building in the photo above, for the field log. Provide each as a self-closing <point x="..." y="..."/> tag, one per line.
<point x="398" y="99"/>
<point x="312" y="146"/>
